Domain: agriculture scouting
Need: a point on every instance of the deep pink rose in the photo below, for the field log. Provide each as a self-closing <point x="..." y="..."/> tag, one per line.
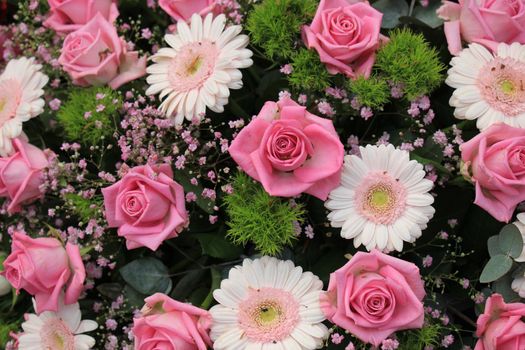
<point x="69" y="15"/>
<point x="290" y="151"/>
<point x="487" y="22"/>
<point x="183" y="9"/>
<point x="501" y="327"/>
<point x="346" y="35"/>
<point x="147" y="206"/>
<point x="495" y="159"/>
<point x="21" y="174"/>
<point x="44" y="268"/>
<point x="95" y="55"/>
<point x="374" y="295"/>
<point x="171" y="325"/>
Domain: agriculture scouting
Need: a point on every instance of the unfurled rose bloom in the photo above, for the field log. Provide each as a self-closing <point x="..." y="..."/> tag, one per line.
<point x="69" y="15"/>
<point x="290" y="151"/>
<point x="95" y="55"/>
<point x="147" y="206"/>
<point x="44" y="268"/>
<point x="183" y="9"/>
<point x="346" y="35"/>
<point x="171" y="325"/>
<point x="487" y="22"/>
<point x="501" y="327"/>
<point x="21" y="174"/>
<point x="495" y="159"/>
<point x="375" y="295"/>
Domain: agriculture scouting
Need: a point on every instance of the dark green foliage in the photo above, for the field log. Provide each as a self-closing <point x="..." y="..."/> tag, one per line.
<point x="257" y="217"/>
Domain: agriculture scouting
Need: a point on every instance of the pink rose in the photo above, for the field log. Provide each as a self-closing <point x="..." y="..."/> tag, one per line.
<point x="183" y="9"/>
<point x="496" y="160"/>
<point x="69" y="15"/>
<point x="147" y="206"/>
<point x="346" y="35"/>
<point x="501" y="327"/>
<point x="95" y="55"/>
<point x="290" y="151"/>
<point x="171" y="325"/>
<point x="374" y="295"/>
<point x="487" y="22"/>
<point x="21" y="174"/>
<point x="44" y="268"/>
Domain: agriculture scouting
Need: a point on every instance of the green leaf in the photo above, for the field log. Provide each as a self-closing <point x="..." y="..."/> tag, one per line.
<point x="392" y="10"/>
<point x="217" y="246"/>
<point x="493" y="245"/>
<point x="428" y="14"/>
<point x="134" y="298"/>
<point x="510" y="241"/>
<point x="496" y="268"/>
<point x="110" y="290"/>
<point x="503" y="287"/>
<point x="147" y="276"/>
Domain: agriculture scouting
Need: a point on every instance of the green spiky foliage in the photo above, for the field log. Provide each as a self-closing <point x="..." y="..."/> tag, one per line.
<point x="86" y="209"/>
<point x="99" y="124"/>
<point x="308" y="72"/>
<point x="275" y="25"/>
<point x="429" y="335"/>
<point x="407" y="59"/>
<point x="257" y="217"/>
<point x="373" y="92"/>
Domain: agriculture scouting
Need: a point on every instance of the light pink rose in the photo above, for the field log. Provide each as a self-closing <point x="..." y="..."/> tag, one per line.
<point x="95" y="55"/>
<point x="290" y="151"/>
<point x="21" y="174"/>
<point x="171" y="325"/>
<point x="501" y="327"/>
<point x="374" y="295"/>
<point x="487" y="22"/>
<point x="44" y="268"/>
<point x="183" y="9"/>
<point x="346" y="35"/>
<point x="495" y="159"/>
<point x="69" y="15"/>
<point x="147" y="206"/>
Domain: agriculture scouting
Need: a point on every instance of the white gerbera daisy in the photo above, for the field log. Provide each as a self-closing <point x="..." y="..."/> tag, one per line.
<point x="21" y="90"/>
<point x="57" y="330"/>
<point x="199" y="67"/>
<point x="489" y="87"/>
<point x="268" y="304"/>
<point x="383" y="199"/>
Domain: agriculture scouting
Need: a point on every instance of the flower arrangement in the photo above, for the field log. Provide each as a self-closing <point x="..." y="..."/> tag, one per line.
<point x="262" y="174"/>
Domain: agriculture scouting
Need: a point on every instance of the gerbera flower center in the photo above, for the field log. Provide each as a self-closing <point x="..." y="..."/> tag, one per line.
<point x="502" y="85"/>
<point x="268" y="314"/>
<point x="10" y="94"/>
<point x="381" y="198"/>
<point x="56" y="335"/>
<point x="193" y="65"/>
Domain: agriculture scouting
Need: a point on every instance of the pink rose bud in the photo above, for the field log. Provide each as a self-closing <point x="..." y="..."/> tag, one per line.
<point x="345" y="34"/>
<point x="495" y="160"/>
<point x="147" y="206"/>
<point x="501" y="326"/>
<point x="69" y="15"/>
<point x="44" y="268"/>
<point x="21" y="174"/>
<point x="183" y="9"/>
<point x="484" y="22"/>
<point x="290" y="151"/>
<point x="375" y="295"/>
<point x="171" y="325"/>
<point x="95" y="55"/>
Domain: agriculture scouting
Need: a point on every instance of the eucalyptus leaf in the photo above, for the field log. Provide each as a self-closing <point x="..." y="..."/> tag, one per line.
<point x="496" y="268"/>
<point x="510" y="240"/>
<point x="493" y="245"/>
<point x="392" y="10"/>
<point x="428" y="14"/>
<point x="147" y="276"/>
<point x="503" y="287"/>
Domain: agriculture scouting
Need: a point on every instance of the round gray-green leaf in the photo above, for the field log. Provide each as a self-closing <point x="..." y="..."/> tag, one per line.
<point x="496" y="268"/>
<point x="392" y="10"/>
<point x="510" y="241"/>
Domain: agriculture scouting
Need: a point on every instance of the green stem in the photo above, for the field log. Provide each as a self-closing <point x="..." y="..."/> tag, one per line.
<point x="215" y="283"/>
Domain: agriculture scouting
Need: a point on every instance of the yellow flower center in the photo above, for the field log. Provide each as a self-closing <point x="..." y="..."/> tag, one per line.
<point x="380" y="198"/>
<point x="268" y="314"/>
<point x="194" y="66"/>
<point x="507" y="87"/>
